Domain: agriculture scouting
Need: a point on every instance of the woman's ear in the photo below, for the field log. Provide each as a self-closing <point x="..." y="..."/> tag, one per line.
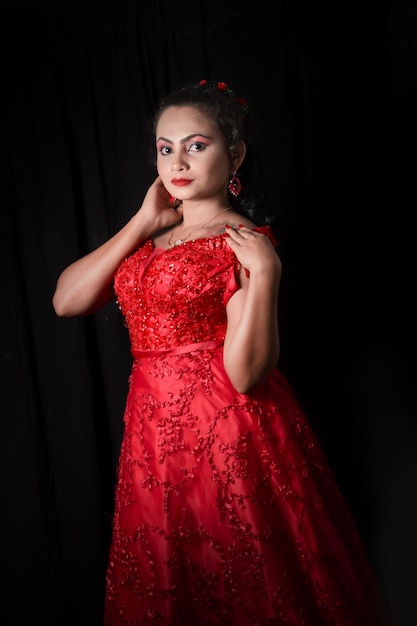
<point x="237" y="155"/>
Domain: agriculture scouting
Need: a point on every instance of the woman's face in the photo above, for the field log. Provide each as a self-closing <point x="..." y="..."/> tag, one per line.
<point x="192" y="159"/>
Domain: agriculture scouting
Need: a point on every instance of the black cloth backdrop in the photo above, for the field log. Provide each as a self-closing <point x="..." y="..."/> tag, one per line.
<point x="79" y="83"/>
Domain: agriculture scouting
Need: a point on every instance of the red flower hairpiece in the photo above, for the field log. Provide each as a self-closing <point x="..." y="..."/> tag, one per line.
<point x="221" y="86"/>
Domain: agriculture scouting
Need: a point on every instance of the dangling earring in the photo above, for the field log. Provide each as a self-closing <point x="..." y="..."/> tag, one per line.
<point x="174" y="202"/>
<point x="235" y="186"/>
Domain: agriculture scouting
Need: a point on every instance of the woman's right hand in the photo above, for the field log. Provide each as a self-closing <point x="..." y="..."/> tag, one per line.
<point x="157" y="207"/>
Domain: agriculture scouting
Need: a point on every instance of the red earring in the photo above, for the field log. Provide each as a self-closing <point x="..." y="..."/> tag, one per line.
<point x="235" y="186"/>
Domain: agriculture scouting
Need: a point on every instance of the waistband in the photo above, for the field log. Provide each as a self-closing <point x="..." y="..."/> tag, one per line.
<point x="191" y="347"/>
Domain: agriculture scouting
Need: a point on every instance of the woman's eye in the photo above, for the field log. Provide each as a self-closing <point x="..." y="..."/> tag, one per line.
<point x="165" y="150"/>
<point x="197" y="146"/>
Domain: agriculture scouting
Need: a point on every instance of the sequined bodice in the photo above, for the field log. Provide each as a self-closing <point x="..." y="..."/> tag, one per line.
<point x="176" y="296"/>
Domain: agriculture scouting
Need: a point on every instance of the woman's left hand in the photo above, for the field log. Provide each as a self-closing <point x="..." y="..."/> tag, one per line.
<point x="253" y="250"/>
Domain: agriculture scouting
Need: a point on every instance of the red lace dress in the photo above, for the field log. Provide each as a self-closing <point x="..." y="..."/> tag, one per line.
<point x="226" y="511"/>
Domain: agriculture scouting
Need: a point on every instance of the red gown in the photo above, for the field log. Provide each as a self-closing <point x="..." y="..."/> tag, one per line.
<point x="226" y="511"/>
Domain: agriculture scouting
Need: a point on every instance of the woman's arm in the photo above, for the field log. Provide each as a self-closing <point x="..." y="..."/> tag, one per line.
<point x="251" y="348"/>
<point x="87" y="284"/>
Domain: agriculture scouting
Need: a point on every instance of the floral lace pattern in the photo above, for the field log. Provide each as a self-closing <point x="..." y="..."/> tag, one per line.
<point x="226" y="511"/>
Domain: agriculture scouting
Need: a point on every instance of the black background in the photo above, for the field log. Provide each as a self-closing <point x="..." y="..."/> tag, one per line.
<point x="332" y="91"/>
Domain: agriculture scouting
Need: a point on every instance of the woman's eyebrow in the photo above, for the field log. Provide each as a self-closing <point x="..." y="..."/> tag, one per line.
<point x="185" y="138"/>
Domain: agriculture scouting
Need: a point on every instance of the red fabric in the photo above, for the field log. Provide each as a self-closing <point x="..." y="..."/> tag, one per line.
<point x="226" y="510"/>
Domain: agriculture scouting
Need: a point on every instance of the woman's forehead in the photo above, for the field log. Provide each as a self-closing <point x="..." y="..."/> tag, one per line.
<point x="175" y="119"/>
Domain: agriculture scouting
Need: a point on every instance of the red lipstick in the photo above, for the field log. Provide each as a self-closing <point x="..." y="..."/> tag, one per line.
<point x="181" y="182"/>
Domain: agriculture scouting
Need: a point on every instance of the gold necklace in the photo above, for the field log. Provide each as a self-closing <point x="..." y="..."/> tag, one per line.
<point x="171" y="243"/>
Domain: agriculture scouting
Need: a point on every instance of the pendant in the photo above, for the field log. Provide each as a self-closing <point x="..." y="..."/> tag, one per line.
<point x="175" y="243"/>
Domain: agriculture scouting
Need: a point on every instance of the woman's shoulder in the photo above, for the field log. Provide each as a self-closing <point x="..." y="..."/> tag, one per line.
<point x="236" y="219"/>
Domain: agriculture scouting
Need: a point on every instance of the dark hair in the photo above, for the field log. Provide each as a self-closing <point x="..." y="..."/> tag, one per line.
<point x="230" y="115"/>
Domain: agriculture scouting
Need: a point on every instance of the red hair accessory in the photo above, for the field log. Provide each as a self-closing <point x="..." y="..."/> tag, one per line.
<point x="221" y="86"/>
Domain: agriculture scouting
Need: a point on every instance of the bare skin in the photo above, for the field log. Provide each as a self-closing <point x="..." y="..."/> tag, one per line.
<point x="194" y="167"/>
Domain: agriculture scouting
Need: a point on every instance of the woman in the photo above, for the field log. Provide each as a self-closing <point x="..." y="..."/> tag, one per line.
<point x="226" y="510"/>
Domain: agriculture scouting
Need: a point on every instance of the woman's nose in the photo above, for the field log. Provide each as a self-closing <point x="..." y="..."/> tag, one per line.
<point x="178" y="164"/>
